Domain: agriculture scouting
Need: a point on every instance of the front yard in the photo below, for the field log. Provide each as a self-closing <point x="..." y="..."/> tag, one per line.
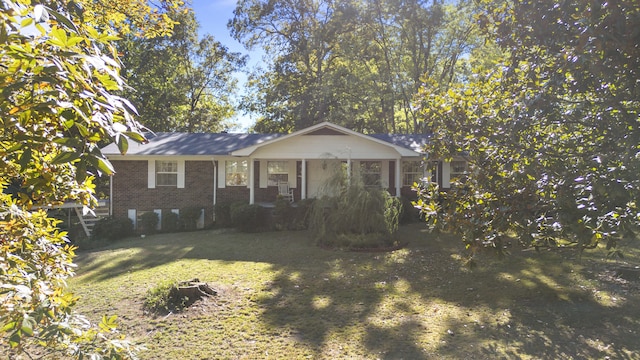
<point x="280" y="296"/>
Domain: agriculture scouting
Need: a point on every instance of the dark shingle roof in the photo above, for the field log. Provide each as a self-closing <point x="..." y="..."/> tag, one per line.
<point x="223" y="143"/>
<point x="192" y="144"/>
<point x="415" y="142"/>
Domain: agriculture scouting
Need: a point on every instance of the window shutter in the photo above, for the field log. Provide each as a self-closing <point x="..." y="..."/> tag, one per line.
<point x="222" y="174"/>
<point x="446" y="174"/>
<point x="263" y="174"/>
<point x="181" y="174"/>
<point x="293" y="181"/>
<point x="151" y="178"/>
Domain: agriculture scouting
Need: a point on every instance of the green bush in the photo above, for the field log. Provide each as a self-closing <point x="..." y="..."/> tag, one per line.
<point x="162" y="298"/>
<point x="170" y="221"/>
<point x="358" y="217"/>
<point x="149" y="222"/>
<point x="291" y="217"/>
<point x="244" y="217"/>
<point x="189" y="217"/>
<point x="223" y="214"/>
<point x="410" y="214"/>
<point x="113" y="228"/>
<point x="282" y="213"/>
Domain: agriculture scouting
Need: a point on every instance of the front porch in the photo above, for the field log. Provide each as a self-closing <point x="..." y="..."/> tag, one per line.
<point x="312" y="178"/>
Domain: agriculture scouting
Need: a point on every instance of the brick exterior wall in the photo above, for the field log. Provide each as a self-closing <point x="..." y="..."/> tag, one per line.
<point x="130" y="189"/>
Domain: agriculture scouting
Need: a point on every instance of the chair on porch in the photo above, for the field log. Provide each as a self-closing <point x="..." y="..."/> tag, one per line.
<point x="285" y="191"/>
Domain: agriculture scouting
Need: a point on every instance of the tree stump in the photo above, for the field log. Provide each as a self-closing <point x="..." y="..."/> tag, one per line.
<point x="191" y="291"/>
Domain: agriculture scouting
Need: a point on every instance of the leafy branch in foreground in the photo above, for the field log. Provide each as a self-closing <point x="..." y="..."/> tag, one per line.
<point x="552" y="130"/>
<point x="57" y="75"/>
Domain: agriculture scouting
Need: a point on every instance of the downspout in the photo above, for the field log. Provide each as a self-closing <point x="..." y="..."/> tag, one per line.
<point x="215" y="187"/>
<point x="111" y="195"/>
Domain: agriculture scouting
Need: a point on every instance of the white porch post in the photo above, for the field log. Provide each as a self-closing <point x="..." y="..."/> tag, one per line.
<point x="398" y="177"/>
<point x="252" y="190"/>
<point x="303" y="191"/>
<point x="349" y="170"/>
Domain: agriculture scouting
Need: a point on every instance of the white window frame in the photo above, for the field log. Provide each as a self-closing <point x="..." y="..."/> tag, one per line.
<point x="173" y="171"/>
<point x="366" y="171"/>
<point x="233" y="169"/>
<point x="275" y="171"/>
<point x="458" y="169"/>
<point x="412" y="172"/>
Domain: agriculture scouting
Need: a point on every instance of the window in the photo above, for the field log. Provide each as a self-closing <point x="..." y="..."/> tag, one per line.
<point x="237" y="173"/>
<point x="458" y="170"/>
<point x="411" y="172"/>
<point x="370" y="172"/>
<point x="166" y="173"/>
<point x="277" y="171"/>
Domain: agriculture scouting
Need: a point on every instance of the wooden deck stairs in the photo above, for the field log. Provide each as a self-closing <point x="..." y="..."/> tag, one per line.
<point x="88" y="221"/>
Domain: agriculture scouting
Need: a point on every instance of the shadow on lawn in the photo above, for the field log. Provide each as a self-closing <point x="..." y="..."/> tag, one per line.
<point x="526" y="306"/>
<point x="415" y="303"/>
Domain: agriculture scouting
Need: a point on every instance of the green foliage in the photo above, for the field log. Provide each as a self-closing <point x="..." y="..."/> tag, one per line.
<point x="356" y="64"/>
<point x="245" y="216"/>
<point x="149" y="221"/>
<point x="181" y="82"/>
<point x="410" y="214"/>
<point x="189" y="217"/>
<point x="358" y="217"/>
<point x="112" y="228"/>
<point x="287" y="216"/>
<point x="551" y="131"/>
<point x="162" y="298"/>
<point x="223" y="214"/>
<point x="170" y="221"/>
<point x="57" y="104"/>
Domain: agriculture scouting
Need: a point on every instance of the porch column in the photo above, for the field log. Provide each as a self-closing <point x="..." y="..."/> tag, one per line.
<point x="252" y="190"/>
<point x="398" y="176"/>
<point x="303" y="191"/>
<point x="349" y="170"/>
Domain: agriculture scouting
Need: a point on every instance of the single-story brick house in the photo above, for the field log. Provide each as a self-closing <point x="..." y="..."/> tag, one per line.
<point x="178" y="170"/>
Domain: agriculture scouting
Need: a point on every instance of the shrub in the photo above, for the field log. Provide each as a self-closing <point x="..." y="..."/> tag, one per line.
<point x="113" y="228"/>
<point x="410" y="214"/>
<point x="189" y="217"/>
<point x="170" y="221"/>
<point x="223" y="214"/>
<point x="149" y="221"/>
<point x="244" y="217"/>
<point x="282" y="213"/>
<point x="358" y="217"/>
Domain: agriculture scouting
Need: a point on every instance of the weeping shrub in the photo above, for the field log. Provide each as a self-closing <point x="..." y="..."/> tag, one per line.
<point x="357" y="217"/>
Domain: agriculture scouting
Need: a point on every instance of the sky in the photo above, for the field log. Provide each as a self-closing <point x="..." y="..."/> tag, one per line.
<point x="213" y="16"/>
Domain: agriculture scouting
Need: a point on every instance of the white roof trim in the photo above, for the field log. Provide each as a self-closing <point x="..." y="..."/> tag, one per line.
<point x="251" y="149"/>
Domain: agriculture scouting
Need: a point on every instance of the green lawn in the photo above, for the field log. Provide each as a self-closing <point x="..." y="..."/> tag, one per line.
<point x="282" y="297"/>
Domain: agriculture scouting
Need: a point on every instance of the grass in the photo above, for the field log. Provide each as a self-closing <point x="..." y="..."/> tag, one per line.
<point x="280" y="296"/>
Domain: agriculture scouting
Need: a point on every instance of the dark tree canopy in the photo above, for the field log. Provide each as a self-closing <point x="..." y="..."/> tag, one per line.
<point x="552" y="131"/>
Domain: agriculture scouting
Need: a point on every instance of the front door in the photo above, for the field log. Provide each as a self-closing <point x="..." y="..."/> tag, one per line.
<point x="319" y="172"/>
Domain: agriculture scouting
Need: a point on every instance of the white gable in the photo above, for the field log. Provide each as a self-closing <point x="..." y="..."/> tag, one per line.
<point x="325" y="141"/>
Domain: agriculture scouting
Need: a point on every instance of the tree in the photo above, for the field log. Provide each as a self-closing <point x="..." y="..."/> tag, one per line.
<point x="354" y="63"/>
<point x="552" y="132"/>
<point x="58" y="73"/>
<point x="180" y="82"/>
